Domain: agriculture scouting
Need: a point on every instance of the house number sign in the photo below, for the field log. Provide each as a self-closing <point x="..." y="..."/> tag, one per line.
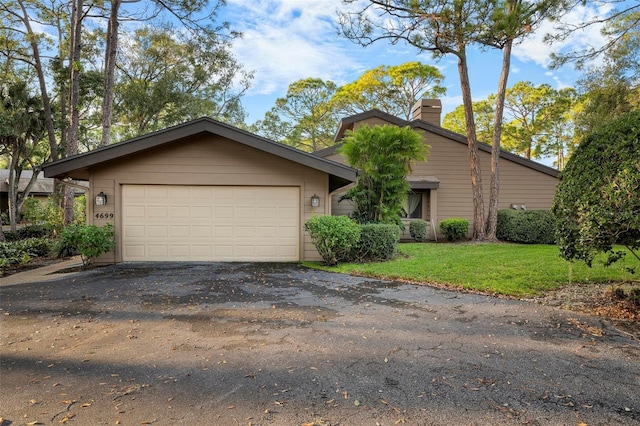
<point x="104" y="215"/>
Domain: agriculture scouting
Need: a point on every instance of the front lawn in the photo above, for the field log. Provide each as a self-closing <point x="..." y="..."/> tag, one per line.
<point x="510" y="269"/>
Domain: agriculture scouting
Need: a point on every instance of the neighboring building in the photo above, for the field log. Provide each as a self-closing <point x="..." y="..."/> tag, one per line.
<point x="441" y="186"/>
<point x="40" y="190"/>
<point x="205" y="191"/>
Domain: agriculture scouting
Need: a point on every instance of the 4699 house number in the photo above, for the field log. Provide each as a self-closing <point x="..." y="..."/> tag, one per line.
<point x="104" y="215"/>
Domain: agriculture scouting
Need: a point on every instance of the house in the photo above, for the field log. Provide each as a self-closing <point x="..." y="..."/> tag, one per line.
<point x="441" y="186"/>
<point x="205" y="191"/>
<point x="41" y="189"/>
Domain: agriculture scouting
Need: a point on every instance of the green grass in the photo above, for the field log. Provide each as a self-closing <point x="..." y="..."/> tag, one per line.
<point x="509" y="269"/>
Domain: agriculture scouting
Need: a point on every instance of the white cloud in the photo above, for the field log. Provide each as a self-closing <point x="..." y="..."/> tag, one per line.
<point x="285" y="41"/>
<point x="535" y="49"/>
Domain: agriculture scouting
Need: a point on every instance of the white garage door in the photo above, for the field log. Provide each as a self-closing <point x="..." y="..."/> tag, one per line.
<point x="221" y="223"/>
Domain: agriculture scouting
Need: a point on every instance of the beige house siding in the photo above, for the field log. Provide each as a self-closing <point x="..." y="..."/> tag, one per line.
<point x="448" y="161"/>
<point x="205" y="160"/>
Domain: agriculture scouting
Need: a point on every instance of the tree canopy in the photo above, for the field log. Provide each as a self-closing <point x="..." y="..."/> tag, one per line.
<point x="392" y="89"/>
<point x="597" y="203"/>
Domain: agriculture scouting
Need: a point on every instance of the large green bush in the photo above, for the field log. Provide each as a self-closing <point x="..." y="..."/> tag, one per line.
<point x="597" y="203"/>
<point x="378" y="242"/>
<point x="526" y="226"/>
<point x="335" y="237"/>
<point x="89" y="241"/>
<point x="418" y="229"/>
<point x="454" y="229"/>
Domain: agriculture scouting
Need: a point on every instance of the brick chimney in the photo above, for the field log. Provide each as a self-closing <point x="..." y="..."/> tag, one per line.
<point x="428" y="110"/>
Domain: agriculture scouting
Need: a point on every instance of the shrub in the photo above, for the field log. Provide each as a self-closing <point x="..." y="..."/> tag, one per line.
<point x="454" y="229"/>
<point x="89" y="241"/>
<point x="418" y="230"/>
<point x="31" y="231"/>
<point x="33" y="211"/>
<point x="378" y="242"/>
<point x="526" y="226"/>
<point x="335" y="237"/>
<point x="22" y="251"/>
<point x="68" y="241"/>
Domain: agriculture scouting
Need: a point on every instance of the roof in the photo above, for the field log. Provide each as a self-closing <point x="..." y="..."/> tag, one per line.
<point x="41" y="186"/>
<point x="349" y="122"/>
<point x="78" y="166"/>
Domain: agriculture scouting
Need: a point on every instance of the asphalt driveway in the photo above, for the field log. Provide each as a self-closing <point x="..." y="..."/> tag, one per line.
<point x="254" y="344"/>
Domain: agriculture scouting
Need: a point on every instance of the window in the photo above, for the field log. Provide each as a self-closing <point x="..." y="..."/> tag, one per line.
<point x="413" y="206"/>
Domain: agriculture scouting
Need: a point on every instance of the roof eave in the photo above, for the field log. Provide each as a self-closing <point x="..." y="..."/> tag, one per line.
<point x="77" y="166"/>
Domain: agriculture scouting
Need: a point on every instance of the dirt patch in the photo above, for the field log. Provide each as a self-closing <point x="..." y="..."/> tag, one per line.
<point x="606" y="300"/>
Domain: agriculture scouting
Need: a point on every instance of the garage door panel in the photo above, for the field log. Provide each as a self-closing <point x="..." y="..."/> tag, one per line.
<point x="179" y="212"/>
<point x="210" y="223"/>
<point x="134" y="231"/>
<point x="155" y="250"/>
<point x="157" y="192"/>
<point x="135" y="211"/>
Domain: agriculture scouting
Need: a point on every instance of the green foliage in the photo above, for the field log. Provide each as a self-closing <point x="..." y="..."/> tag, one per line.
<point x="454" y="229"/>
<point x="526" y="226"/>
<point x="418" y="229"/>
<point x="31" y="231"/>
<point x="335" y="237"/>
<point x="309" y="117"/>
<point x="597" y="203"/>
<point x="22" y="251"/>
<point x="378" y="242"/>
<point x="89" y="241"/>
<point x="172" y="76"/>
<point x="32" y="211"/>
<point x="68" y="241"/>
<point x="392" y="89"/>
<point x="49" y="214"/>
<point x="384" y="155"/>
<point x="516" y="269"/>
<point x="483" y="112"/>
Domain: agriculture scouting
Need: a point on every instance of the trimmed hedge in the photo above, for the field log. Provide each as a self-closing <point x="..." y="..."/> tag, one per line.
<point x="378" y="242"/>
<point x="418" y="229"/>
<point x="526" y="226"/>
<point x="335" y="237"/>
<point x="455" y="228"/>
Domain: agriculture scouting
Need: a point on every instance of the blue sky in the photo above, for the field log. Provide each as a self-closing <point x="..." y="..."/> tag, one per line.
<point x="288" y="40"/>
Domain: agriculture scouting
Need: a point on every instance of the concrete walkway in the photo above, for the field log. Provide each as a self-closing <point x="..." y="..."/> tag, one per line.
<point x="46" y="273"/>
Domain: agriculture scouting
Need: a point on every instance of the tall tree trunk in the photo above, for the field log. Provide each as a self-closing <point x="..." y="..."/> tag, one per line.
<point x="474" y="158"/>
<point x="46" y="103"/>
<point x="74" y="100"/>
<point x="494" y="195"/>
<point x="14" y="178"/>
<point x="109" y="72"/>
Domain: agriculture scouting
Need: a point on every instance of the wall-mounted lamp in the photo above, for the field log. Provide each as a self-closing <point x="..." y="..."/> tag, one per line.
<point x="101" y="199"/>
<point x="515" y="206"/>
<point x="315" y="201"/>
